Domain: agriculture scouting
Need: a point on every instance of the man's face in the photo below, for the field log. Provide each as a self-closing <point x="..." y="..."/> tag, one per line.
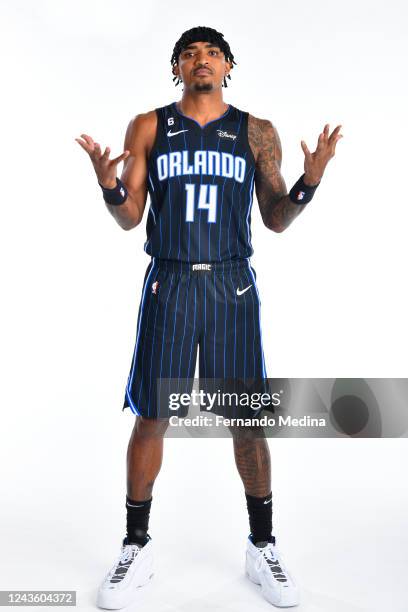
<point x="202" y="66"/>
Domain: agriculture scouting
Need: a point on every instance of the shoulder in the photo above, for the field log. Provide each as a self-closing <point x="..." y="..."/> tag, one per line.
<point x="141" y="130"/>
<point x="143" y="122"/>
<point x="263" y="135"/>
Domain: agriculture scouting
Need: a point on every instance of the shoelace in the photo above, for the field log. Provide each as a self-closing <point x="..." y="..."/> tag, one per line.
<point x="129" y="552"/>
<point x="268" y="557"/>
<point x="119" y="570"/>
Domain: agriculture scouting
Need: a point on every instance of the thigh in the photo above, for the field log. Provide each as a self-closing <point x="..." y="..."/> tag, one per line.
<point x="166" y="342"/>
<point x="231" y="342"/>
<point x="231" y="351"/>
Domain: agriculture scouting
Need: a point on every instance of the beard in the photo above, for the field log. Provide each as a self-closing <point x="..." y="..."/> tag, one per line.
<point x="203" y="86"/>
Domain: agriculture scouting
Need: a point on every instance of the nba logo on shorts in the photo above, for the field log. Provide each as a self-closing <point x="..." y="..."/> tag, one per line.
<point x="155" y="286"/>
<point x="300" y="195"/>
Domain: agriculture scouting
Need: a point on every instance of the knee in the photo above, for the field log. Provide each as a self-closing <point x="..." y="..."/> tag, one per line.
<point x="246" y="434"/>
<point x="150" y="427"/>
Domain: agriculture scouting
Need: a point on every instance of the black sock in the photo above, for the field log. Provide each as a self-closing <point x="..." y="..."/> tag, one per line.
<point x="260" y="519"/>
<point x="137" y="520"/>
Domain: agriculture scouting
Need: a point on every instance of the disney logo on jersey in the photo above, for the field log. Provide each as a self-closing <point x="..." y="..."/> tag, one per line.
<point x="224" y="134"/>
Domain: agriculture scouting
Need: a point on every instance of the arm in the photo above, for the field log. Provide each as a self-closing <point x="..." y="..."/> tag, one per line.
<point x="277" y="209"/>
<point x="139" y="139"/>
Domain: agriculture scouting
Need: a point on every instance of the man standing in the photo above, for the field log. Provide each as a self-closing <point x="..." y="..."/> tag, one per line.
<point x="199" y="159"/>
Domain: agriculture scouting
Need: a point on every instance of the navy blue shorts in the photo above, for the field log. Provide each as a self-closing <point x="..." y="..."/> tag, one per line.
<point x="184" y="306"/>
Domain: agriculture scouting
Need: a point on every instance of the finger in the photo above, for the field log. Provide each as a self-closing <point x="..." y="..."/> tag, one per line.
<point x="306" y="151"/>
<point x="326" y="131"/>
<point x="337" y="140"/>
<point x="88" y="139"/>
<point x="120" y="158"/>
<point x="334" y="133"/>
<point x="320" y="141"/>
<point x="85" y="146"/>
<point x="333" y="144"/>
<point x="106" y="153"/>
<point x="97" y="150"/>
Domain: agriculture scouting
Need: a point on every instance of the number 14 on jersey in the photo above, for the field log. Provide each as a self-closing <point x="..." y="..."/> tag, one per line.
<point x="207" y="199"/>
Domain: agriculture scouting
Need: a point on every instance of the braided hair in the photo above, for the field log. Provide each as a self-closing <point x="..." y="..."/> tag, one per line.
<point x="201" y="33"/>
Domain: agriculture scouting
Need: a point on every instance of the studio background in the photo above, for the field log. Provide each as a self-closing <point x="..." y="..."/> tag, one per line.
<point x="332" y="287"/>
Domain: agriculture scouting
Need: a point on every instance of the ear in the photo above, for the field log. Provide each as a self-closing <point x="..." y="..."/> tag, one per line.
<point x="175" y="70"/>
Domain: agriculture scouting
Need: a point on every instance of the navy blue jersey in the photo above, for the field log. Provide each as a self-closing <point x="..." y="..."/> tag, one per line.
<point x="201" y="188"/>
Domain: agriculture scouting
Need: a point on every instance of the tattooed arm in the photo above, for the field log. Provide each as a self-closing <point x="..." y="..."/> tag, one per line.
<point x="277" y="210"/>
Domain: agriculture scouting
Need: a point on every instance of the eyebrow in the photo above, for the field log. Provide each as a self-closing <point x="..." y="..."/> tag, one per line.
<point x="208" y="45"/>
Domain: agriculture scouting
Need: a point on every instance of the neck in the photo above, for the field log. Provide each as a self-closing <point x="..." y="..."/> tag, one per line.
<point x="202" y="107"/>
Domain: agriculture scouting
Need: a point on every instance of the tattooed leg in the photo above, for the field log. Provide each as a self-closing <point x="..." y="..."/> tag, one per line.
<point x="252" y="458"/>
<point x="253" y="461"/>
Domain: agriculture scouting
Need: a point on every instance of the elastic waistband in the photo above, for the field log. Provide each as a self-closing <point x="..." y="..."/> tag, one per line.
<point x="201" y="267"/>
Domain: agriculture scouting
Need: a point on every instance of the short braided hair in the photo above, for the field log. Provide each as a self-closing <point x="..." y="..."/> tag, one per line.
<point x="201" y="33"/>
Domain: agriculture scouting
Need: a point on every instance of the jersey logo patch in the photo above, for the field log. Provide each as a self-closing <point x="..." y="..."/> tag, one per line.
<point x="241" y="291"/>
<point x="170" y="133"/>
<point x="202" y="266"/>
<point x="224" y="134"/>
<point x="155" y="287"/>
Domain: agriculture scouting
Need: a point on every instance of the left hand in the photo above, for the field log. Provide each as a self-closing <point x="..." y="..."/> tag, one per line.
<point x="315" y="163"/>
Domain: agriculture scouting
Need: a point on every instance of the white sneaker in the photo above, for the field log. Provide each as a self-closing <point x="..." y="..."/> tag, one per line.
<point x="133" y="569"/>
<point x="264" y="566"/>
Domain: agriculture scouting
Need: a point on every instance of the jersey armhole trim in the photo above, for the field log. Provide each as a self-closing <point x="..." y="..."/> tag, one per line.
<point x="158" y="111"/>
<point x="250" y="152"/>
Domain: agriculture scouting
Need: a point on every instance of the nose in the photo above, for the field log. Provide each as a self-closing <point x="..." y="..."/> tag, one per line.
<point x="201" y="59"/>
<point x="201" y="64"/>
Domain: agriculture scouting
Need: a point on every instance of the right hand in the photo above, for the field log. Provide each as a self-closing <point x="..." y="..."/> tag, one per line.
<point x="105" y="168"/>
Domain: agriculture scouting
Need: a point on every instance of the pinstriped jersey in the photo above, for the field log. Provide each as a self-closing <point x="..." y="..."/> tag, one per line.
<point x="200" y="183"/>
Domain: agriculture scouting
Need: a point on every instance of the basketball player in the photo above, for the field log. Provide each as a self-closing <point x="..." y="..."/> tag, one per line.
<point x="199" y="159"/>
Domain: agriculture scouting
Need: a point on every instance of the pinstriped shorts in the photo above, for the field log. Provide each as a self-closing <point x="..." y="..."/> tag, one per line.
<point x="215" y="307"/>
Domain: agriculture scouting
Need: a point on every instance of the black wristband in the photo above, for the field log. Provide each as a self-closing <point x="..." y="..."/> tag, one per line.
<point x="115" y="196"/>
<point x="301" y="193"/>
